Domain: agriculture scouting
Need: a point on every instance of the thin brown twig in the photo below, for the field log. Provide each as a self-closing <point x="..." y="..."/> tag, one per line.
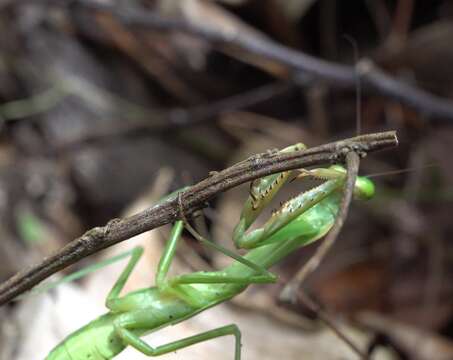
<point x="327" y="319"/>
<point x="289" y="293"/>
<point x="303" y="69"/>
<point x="194" y="198"/>
<point x="401" y="21"/>
<point x="182" y="118"/>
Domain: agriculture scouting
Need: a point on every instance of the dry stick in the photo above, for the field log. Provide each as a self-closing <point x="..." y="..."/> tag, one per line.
<point x="305" y="68"/>
<point x="326" y="318"/>
<point x="290" y="290"/>
<point x="168" y="120"/>
<point x="199" y="115"/>
<point x="194" y="198"/>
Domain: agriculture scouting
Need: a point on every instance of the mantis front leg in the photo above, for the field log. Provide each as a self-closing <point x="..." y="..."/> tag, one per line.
<point x="262" y="191"/>
<point x="289" y="211"/>
<point x="113" y="301"/>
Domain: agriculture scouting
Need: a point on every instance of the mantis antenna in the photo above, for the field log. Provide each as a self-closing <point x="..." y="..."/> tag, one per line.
<point x="401" y="171"/>
<point x="358" y="84"/>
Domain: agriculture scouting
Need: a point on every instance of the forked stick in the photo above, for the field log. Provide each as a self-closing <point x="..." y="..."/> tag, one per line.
<point x="289" y="292"/>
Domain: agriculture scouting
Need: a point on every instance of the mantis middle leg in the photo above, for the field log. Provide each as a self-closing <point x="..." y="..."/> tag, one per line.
<point x="171" y="285"/>
<point x="262" y="276"/>
<point x="113" y="301"/>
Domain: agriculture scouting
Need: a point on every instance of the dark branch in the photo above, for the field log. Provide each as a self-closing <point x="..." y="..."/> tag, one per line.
<point x="325" y="317"/>
<point x="182" y="118"/>
<point x="193" y="198"/>
<point x="304" y="68"/>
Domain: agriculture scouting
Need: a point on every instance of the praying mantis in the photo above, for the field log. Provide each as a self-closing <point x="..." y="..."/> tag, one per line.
<point x="298" y="222"/>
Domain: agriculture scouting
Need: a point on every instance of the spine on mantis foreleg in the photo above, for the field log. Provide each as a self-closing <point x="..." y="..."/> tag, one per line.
<point x="262" y="191"/>
<point x="295" y="207"/>
<point x="289" y="211"/>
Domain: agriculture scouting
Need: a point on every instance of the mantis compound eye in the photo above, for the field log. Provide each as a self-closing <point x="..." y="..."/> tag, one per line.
<point x="364" y="188"/>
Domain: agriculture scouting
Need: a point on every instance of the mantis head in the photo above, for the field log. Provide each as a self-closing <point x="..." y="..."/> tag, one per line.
<point x="364" y="188"/>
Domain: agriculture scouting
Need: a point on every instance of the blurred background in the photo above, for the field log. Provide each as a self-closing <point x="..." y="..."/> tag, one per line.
<point x="98" y="119"/>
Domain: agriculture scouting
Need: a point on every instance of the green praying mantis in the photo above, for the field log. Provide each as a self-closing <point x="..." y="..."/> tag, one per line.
<point x="298" y="222"/>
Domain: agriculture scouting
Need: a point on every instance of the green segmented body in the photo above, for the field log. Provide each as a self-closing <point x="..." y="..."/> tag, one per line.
<point x="299" y="221"/>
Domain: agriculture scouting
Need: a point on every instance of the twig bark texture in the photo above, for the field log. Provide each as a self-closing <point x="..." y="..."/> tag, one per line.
<point x="193" y="198"/>
<point x="289" y="293"/>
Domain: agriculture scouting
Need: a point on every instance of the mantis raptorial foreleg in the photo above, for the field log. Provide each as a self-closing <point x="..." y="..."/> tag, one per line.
<point x="262" y="191"/>
<point x="288" y="212"/>
<point x="133" y="340"/>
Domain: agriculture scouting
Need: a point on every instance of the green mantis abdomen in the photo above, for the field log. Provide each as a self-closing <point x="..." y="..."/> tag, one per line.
<point x="142" y="311"/>
<point x="95" y="341"/>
